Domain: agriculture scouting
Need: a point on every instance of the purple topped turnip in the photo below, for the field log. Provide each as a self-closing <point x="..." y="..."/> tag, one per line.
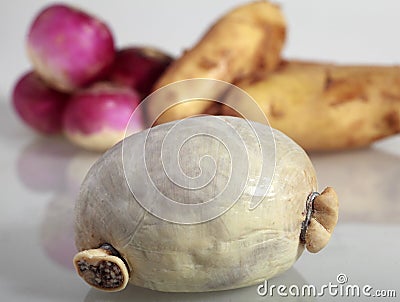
<point x="69" y="48"/>
<point x="38" y="105"/>
<point x="139" y="68"/>
<point x="96" y="118"/>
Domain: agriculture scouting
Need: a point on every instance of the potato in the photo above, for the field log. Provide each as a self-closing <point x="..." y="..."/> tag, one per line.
<point x="246" y="39"/>
<point x="157" y="211"/>
<point x="326" y="106"/>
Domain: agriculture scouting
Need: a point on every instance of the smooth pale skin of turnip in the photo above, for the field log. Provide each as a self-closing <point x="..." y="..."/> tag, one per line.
<point x="69" y="48"/>
<point x="38" y="105"/>
<point x="139" y="68"/>
<point x="96" y="118"/>
<point x="239" y="248"/>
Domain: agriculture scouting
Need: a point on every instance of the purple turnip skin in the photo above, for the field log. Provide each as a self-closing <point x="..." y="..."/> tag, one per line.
<point x="139" y="68"/>
<point x="38" y="105"/>
<point x="96" y="118"/>
<point x="69" y="48"/>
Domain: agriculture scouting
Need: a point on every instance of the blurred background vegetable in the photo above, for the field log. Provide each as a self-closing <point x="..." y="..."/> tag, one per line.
<point x="69" y="48"/>
<point x="38" y="105"/>
<point x="96" y="118"/>
<point x="72" y="52"/>
<point x="139" y="68"/>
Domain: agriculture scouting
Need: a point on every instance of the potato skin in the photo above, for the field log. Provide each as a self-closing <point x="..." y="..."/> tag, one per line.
<point x="239" y="248"/>
<point x="246" y="39"/>
<point x="328" y="107"/>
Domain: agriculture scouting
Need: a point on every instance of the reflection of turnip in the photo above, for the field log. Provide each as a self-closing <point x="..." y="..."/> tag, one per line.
<point x="139" y="68"/>
<point x="247" y="294"/>
<point x="38" y="105"/>
<point x="367" y="180"/>
<point x="69" y="48"/>
<point x="57" y="230"/>
<point x="41" y="165"/>
<point x="119" y="240"/>
<point x="78" y="168"/>
<point x="96" y="118"/>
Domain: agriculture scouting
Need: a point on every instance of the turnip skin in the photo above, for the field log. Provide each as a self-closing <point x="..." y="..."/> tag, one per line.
<point x="96" y="118"/>
<point x="38" y="105"/>
<point x="139" y="68"/>
<point x="239" y="248"/>
<point x="69" y="48"/>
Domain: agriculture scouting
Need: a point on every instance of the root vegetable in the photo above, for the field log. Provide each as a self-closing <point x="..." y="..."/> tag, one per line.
<point x="119" y="238"/>
<point x="325" y="106"/>
<point x="247" y="39"/>
<point x="96" y="118"/>
<point x="139" y="68"/>
<point x="69" y="48"/>
<point x="38" y="105"/>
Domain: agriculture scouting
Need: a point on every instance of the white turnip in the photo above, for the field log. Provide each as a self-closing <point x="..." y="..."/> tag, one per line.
<point x="171" y="208"/>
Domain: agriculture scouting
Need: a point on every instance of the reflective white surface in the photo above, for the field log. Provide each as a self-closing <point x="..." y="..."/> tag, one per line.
<point x="40" y="177"/>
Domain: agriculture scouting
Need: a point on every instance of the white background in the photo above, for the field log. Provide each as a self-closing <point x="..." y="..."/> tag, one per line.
<point x="39" y="177"/>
